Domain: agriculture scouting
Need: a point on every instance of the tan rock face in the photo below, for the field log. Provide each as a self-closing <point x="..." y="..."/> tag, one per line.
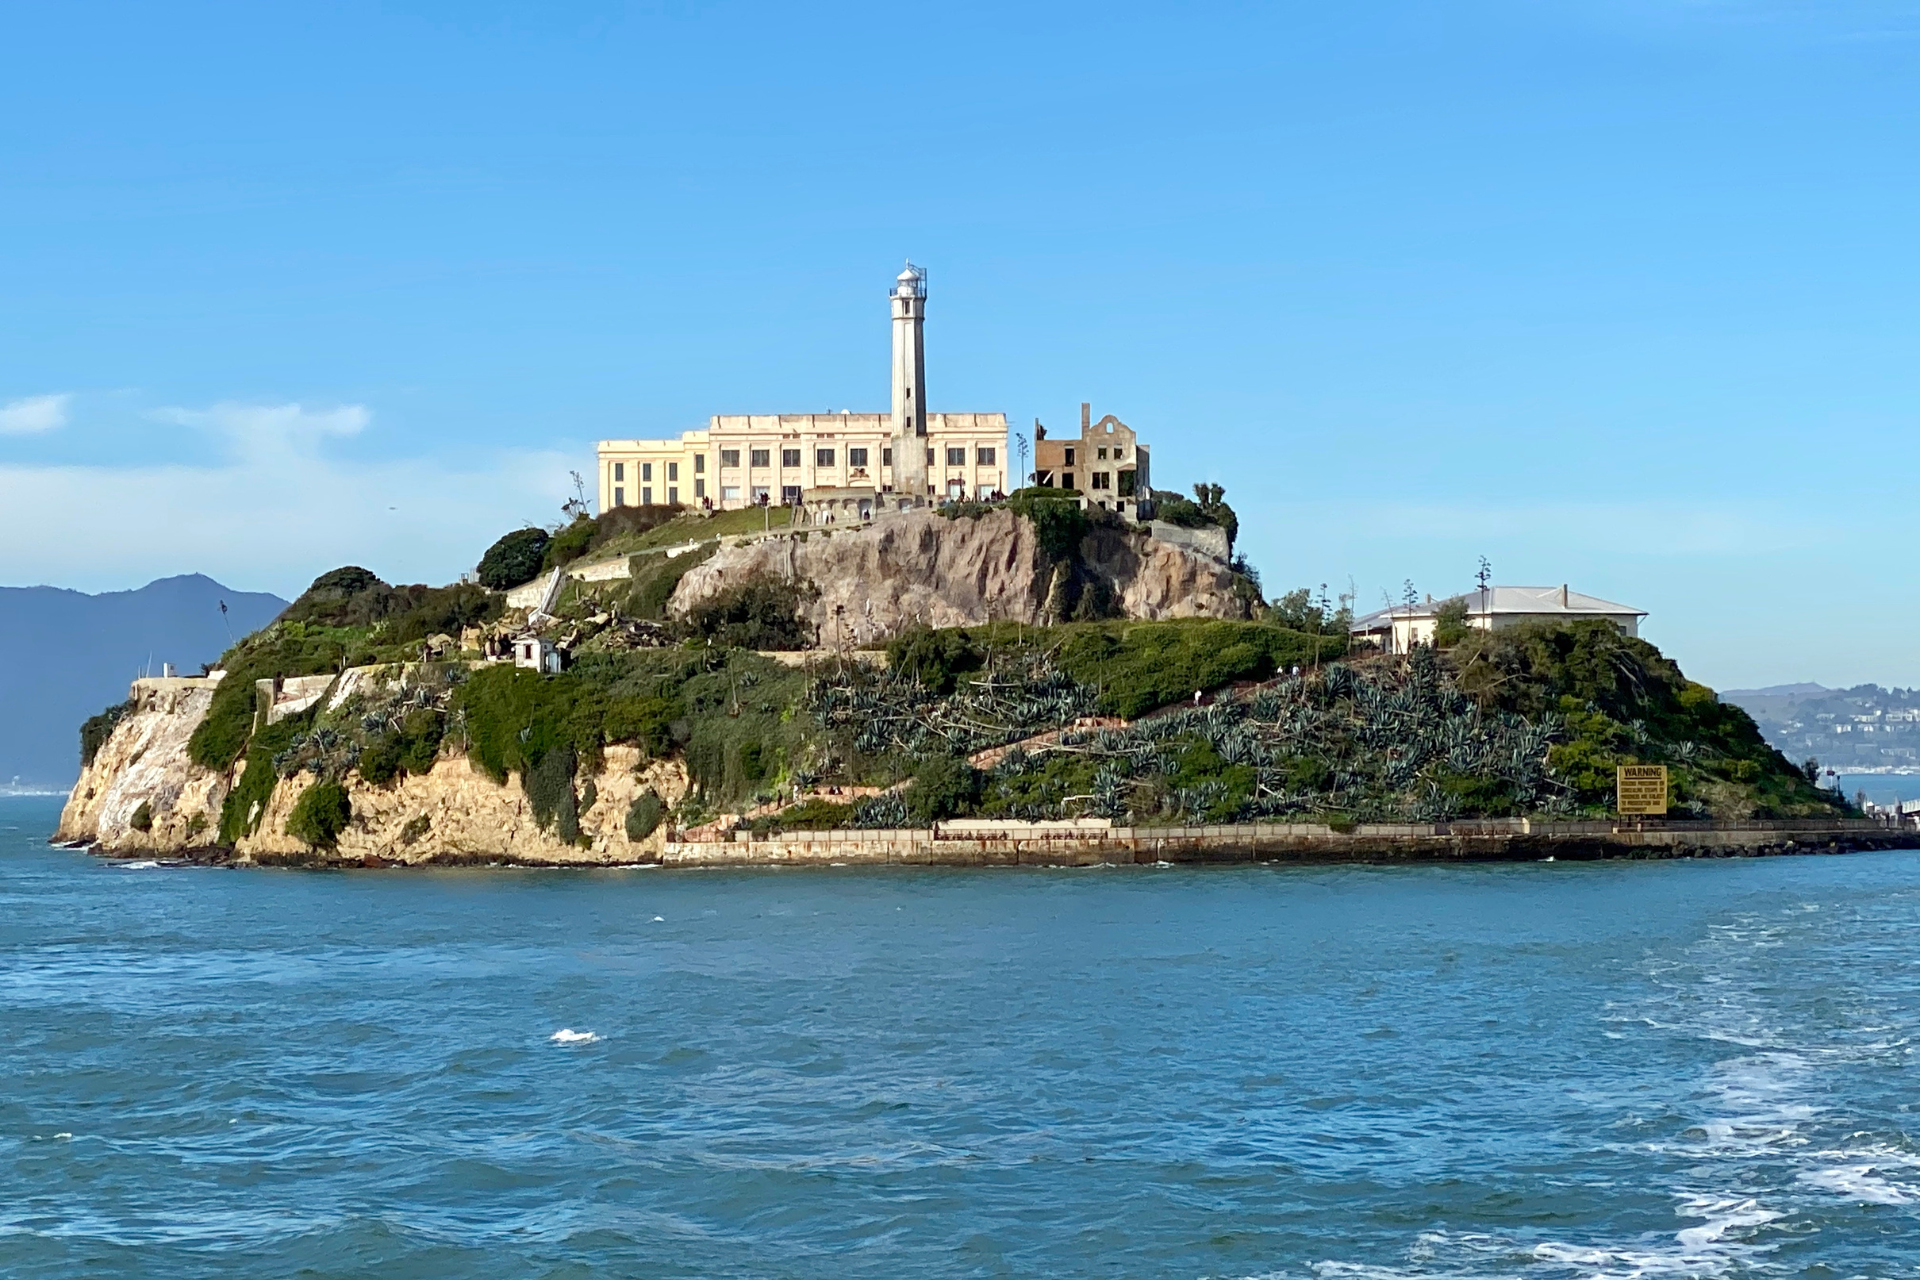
<point x="458" y="814"/>
<point x="922" y="569"/>
<point x="453" y="813"/>
<point x="145" y="760"/>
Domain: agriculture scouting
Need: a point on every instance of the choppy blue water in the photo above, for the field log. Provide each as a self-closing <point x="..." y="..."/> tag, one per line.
<point x="1553" y="1070"/>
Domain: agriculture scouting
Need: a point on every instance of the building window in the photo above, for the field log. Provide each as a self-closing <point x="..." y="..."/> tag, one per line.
<point x="1069" y="460"/>
<point x="789" y="457"/>
<point x="619" y="471"/>
<point x="1103" y="480"/>
<point x="1066" y="479"/>
<point x="759" y="494"/>
<point x="856" y="457"/>
<point x="1126" y="483"/>
<point x="673" y="493"/>
<point x="1103" y="453"/>
<point x="729" y="493"/>
<point x="886" y="457"/>
<point x="673" y="471"/>
<point x="985" y="457"/>
<point x="729" y="457"/>
<point x="1044" y="479"/>
<point x="957" y="457"/>
<point x="646" y="497"/>
<point x="957" y="490"/>
<point x="699" y="488"/>
<point x="619" y="497"/>
<point x="929" y="457"/>
<point x="823" y="457"/>
<point x="790" y="493"/>
<point x="646" y="471"/>
<point x="761" y="457"/>
<point x="699" y="465"/>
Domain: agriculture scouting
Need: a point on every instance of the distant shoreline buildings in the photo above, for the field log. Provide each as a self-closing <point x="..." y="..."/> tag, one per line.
<point x="856" y="465"/>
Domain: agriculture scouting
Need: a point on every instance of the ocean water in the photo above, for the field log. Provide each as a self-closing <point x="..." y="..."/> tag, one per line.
<point x="1550" y="1070"/>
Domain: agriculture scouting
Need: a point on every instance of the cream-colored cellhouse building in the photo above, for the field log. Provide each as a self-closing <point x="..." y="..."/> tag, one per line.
<point x="861" y="461"/>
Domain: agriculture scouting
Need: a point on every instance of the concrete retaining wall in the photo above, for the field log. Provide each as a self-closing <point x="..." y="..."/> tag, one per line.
<point x="1516" y="839"/>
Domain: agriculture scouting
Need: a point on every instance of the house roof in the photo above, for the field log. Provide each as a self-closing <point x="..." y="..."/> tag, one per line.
<point x="1533" y="602"/>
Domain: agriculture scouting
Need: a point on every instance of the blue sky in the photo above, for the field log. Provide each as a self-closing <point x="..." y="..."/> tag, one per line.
<point x="1620" y="293"/>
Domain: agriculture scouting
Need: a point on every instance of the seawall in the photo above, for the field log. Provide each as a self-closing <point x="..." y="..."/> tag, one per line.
<point x="1496" y="840"/>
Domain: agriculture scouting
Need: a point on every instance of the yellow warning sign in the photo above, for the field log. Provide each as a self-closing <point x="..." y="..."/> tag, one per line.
<point x="1642" y="788"/>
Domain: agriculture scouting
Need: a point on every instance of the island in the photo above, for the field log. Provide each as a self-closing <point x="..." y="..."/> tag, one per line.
<point x="1019" y="679"/>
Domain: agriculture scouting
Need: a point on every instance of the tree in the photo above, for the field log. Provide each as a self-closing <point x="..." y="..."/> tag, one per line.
<point x="1211" y="499"/>
<point x="514" y="559"/>
<point x="1450" y="625"/>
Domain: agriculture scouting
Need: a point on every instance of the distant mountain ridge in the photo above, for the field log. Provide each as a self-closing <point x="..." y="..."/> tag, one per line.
<point x="1865" y="727"/>
<point x="65" y="655"/>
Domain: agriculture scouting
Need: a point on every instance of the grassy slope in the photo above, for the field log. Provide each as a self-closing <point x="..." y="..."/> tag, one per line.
<point x="688" y="528"/>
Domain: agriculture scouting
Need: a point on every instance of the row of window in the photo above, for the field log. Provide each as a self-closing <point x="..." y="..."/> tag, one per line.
<point x="1119" y="455"/>
<point x="856" y="457"/>
<point x="1095" y="480"/>
<point x="673" y="471"/>
<point x="646" y="493"/>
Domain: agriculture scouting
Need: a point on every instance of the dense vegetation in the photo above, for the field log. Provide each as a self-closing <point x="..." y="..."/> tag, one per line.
<point x="1095" y="716"/>
<point x="347" y="618"/>
<point x="320" y="815"/>
<point x="514" y="559"/>
<point x="1621" y="701"/>
<point x="96" y="729"/>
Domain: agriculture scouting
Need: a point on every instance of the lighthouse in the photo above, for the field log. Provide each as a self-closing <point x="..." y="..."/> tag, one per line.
<point x="909" y="432"/>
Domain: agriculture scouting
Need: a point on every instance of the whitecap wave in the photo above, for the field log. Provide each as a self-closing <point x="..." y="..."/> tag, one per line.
<point x="567" y="1035"/>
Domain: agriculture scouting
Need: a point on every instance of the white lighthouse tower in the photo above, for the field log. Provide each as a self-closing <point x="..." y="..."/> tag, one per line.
<point x="910" y="384"/>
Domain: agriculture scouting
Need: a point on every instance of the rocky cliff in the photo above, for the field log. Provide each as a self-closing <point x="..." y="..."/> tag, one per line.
<point x="454" y="813"/>
<point x="924" y="569"/>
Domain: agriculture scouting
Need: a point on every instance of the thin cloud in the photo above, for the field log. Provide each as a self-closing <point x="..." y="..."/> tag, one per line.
<point x="274" y="511"/>
<point x="33" y="414"/>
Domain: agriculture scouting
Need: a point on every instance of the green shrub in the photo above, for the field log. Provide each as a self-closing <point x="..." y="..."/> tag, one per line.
<point x="644" y="814"/>
<point x="942" y="787"/>
<point x="320" y="815"/>
<point x="196" y="826"/>
<point x="759" y="614"/>
<point x="1450" y="623"/>
<point x="1207" y="507"/>
<point x="570" y="543"/>
<point x="412" y="748"/>
<point x="815" y="814"/>
<point x="514" y="559"/>
<point x="95" y="731"/>
<point x="142" y="819"/>
<point x="937" y="659"/>
<point x="515" y="717"/>
<point x="645" y="722"/>
<point x="417" y="826"/>
<point x="549" y="787"/>
<point x="1058" y="522"/>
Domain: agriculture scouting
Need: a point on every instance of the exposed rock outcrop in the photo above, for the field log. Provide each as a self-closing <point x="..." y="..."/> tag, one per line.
<point x="454" y="813"/>
<point x="145" y="761"/>
<point x="919" y="568"/>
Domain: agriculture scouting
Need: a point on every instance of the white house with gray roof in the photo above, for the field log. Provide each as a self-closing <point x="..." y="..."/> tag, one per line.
<point x="1398" y="629"/>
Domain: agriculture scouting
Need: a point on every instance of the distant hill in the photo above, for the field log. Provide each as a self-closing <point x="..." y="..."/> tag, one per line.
<point x="1865" y="727"/>
<point x="65" y="655"/>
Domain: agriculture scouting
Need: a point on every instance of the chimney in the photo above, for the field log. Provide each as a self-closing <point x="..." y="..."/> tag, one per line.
<point x="1564" y="604"/>
<point x="1086" y="416"/>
